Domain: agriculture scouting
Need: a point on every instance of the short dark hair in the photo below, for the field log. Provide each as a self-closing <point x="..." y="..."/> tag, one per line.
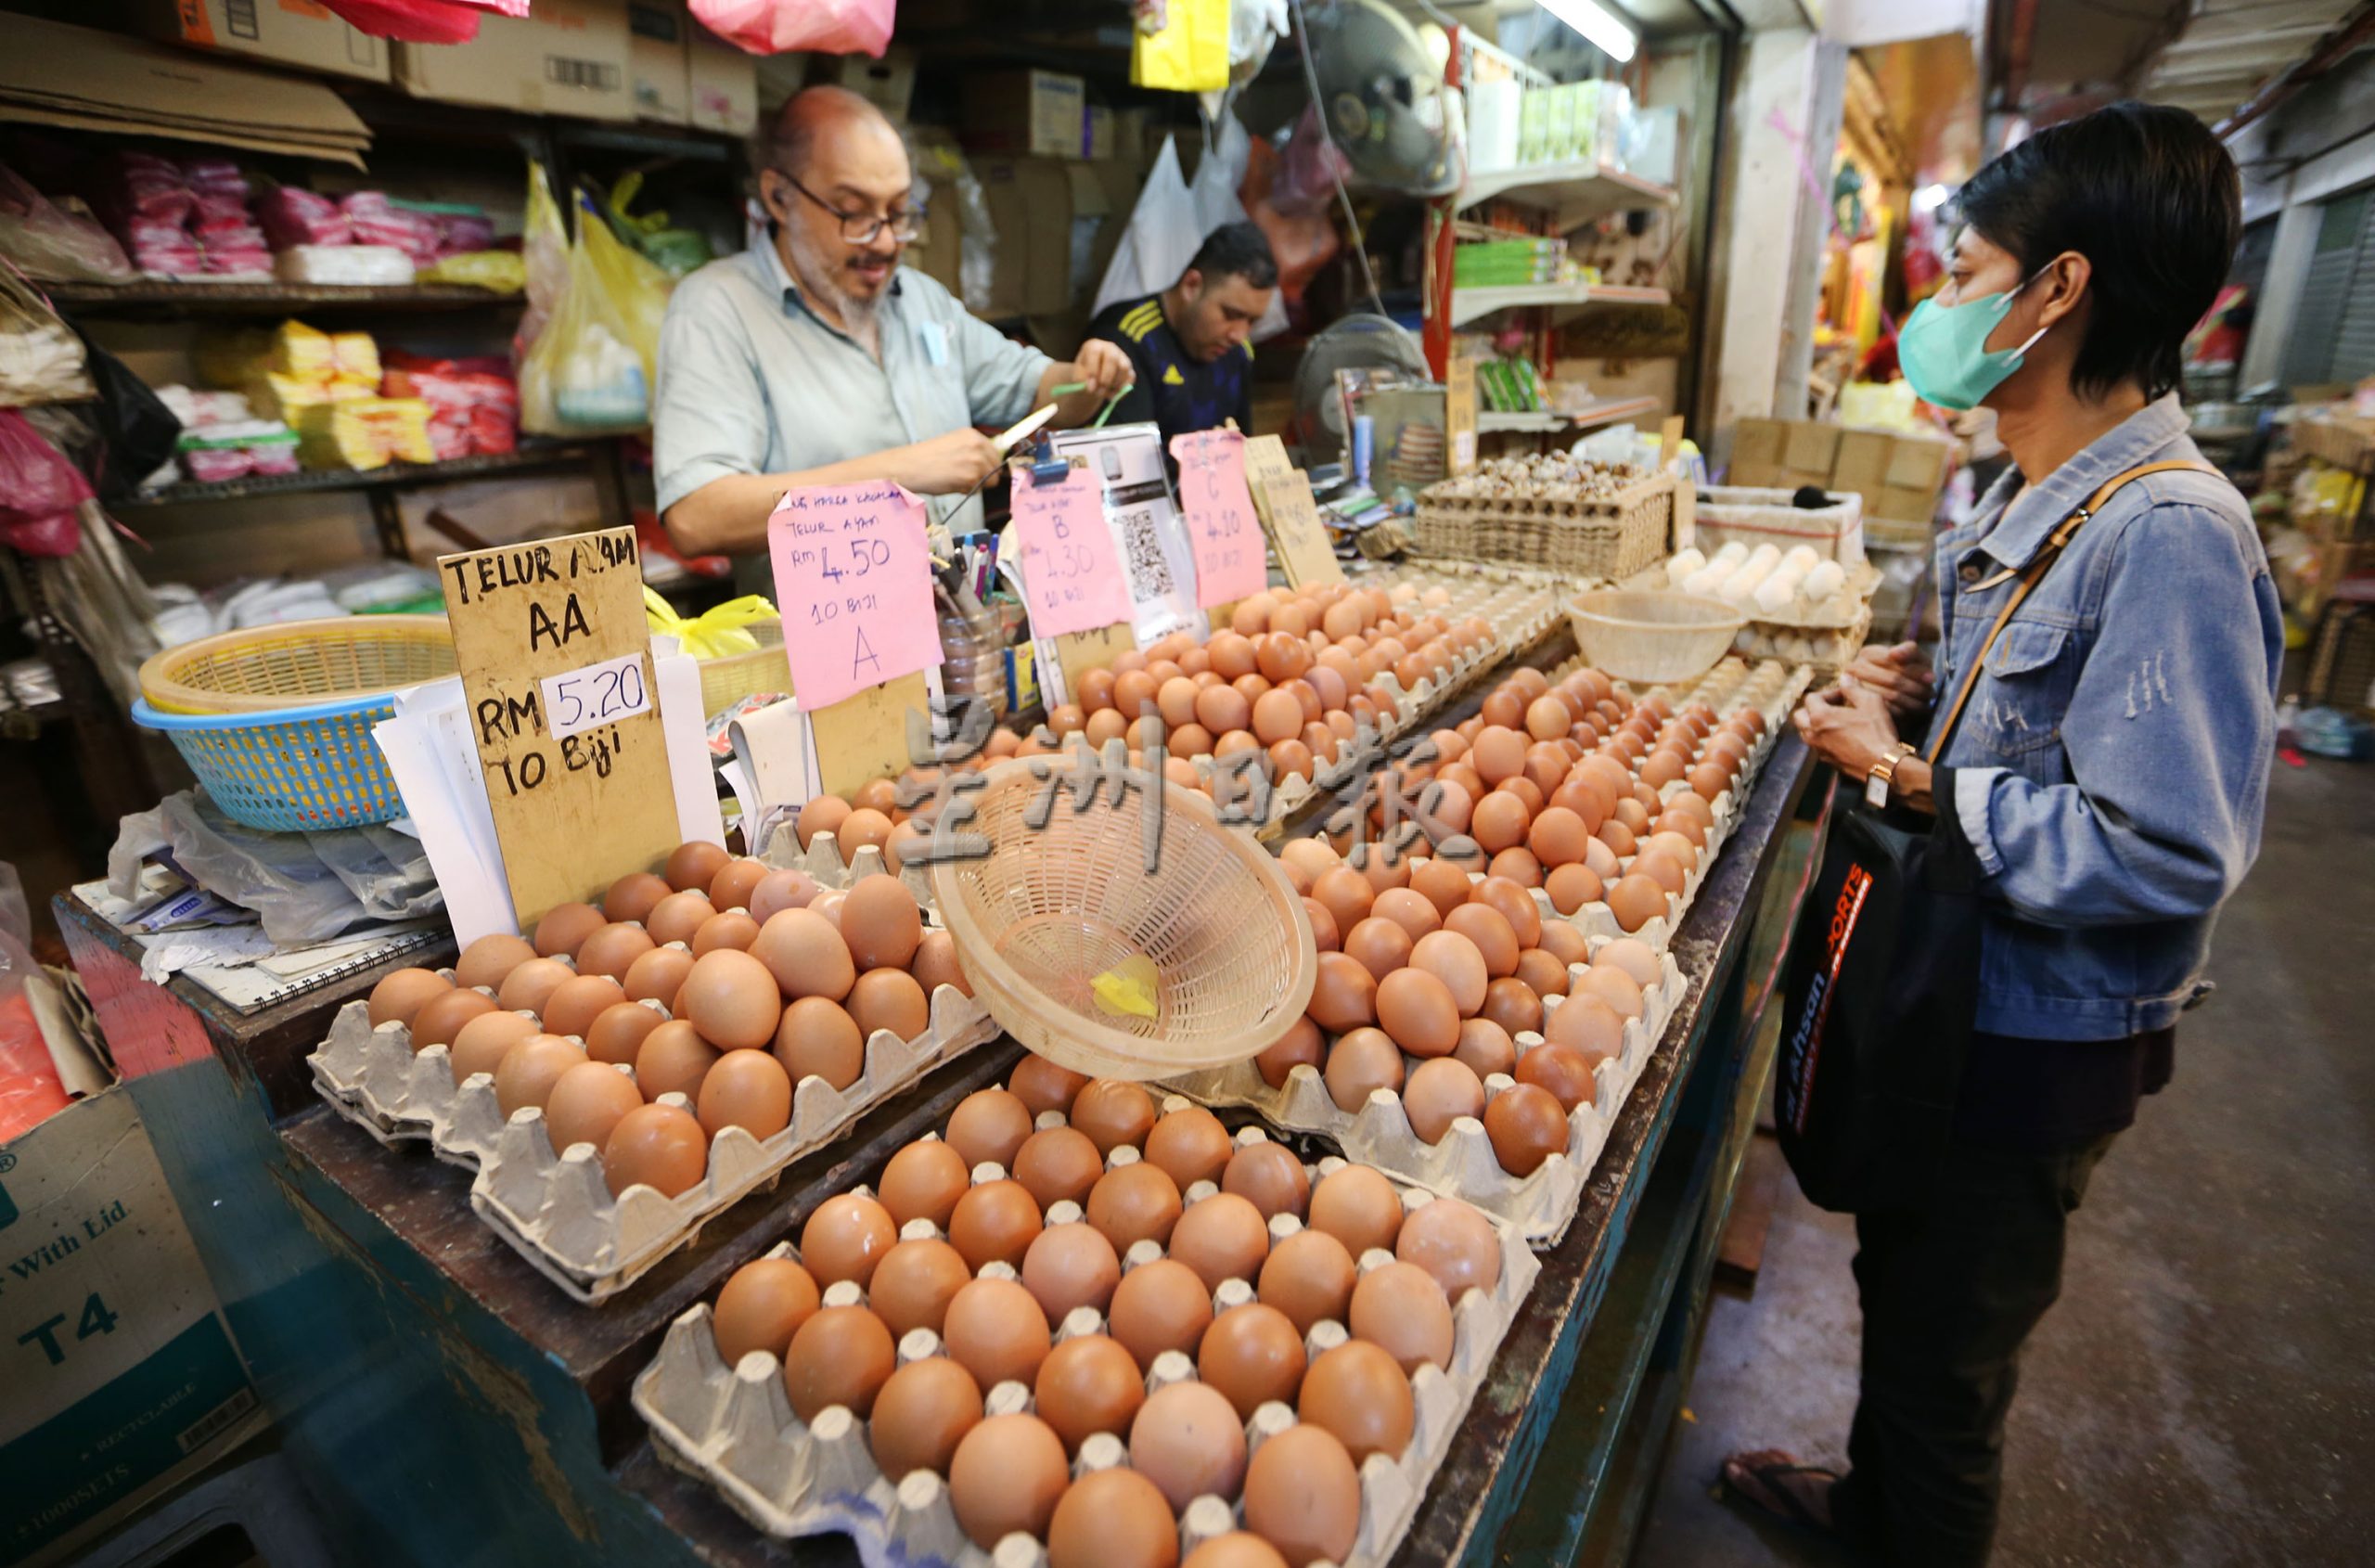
<point x="1241" y="248"/>
<point x="2151" y="198"/>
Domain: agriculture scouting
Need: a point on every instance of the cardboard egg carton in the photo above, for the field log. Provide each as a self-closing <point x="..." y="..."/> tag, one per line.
<point x="556" y="1208"/>
<point x="735" y="1428"/>
<point x="822" y="860"/>
<point x="1539" y="1205"/>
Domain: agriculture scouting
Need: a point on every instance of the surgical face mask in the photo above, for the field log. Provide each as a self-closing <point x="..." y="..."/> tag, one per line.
<point x="1942" y="349"/>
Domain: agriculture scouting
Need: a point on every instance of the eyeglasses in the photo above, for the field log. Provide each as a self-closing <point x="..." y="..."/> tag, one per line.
<point x="860" y="228"/>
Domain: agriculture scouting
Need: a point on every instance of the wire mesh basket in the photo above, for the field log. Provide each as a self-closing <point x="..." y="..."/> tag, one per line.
<point x="1094" y="961"/>
<point x="259" y="669"/>
<point x="1652" y="639"/>
<point x="291" y="770"/>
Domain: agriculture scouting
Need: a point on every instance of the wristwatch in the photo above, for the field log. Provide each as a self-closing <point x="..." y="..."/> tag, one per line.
<point x="1883" y="773"/>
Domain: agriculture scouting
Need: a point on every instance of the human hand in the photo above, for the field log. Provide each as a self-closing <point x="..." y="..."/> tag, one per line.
<point x="1849" y="727"/>
<point x="947" y="465"/>
<point x="1901" y="674"/>
<point x="1105" y="368"/>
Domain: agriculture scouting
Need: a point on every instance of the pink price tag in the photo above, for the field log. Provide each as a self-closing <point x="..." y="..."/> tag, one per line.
<point x="1070" y="570"/>
<point x="854" y="582"/>
<point x="1223" y="529"/>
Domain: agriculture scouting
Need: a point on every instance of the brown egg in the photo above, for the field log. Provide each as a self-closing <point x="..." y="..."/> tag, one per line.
<point x="1615" y="987"/>
<point x="840" y="1355"/>
<point x="658" y="975"/>
<point x="731" y="999"/>
<point x="1410" y="910"/>
<point x="1157" y="1307"/>
<point x="1416" y="1010"/>
<point x="1324" y="934"/>
<point x="1112" y="1519"/>
<point x="692" y="864"/>
<point x="1299" y="1045"/>
<point x="1489" y="931"/>
<point x="1635" y="901"/>
<point x="1498" y="752"/>
<point x="576" y="1002"/>
<point x="845" y="1238"/>
<point x="923" y="1410"/>
<point x="994" y="1222"/>
<point x="586" y="1105"/>
<point x="632" y="897"/>
<point x="1636" y="957"/>
<point x="528" y="1071"/>
<point x="1344" y="996"/>
<point x="1515" y="904"/>
<point x="1709" y="779"/>
<point x="1269" y="1176"/>
<point x="1190" y="1441"/>
<point x="480" y="1045"/>
<point x="1510" y="1003"/>
<point x="746" y="1089"/>
<point x="731" y="885"/>
<point x="1527" y="1125"/>
<point x="527" y="988"/>
<point x="1134" y="1202"/>
<point x="1309" y="1278"/>
<point x="880" y="922"/>
<point x="1454" y="960"/>
<point x="987" y="1127"/>
<point x="1252" y="1354"/>
<point x="1056" y="1164"/>
<point x="728" y="928"/>
<point x="1558" y="837"/>
<point x="1660" y="867"/>
<point x="1573" y="886"/>
<point x="935" y="965"/>
<point x="863" y="829"/>
<point x="890" y="999"/>
<point x="1585" y="1024"/>
<point x="1485" y="1048"/>
<point x="1068" y="1267"/>
<point x="1378" y="945"/>
<point x="1501" y="820"/>
<point x="1565" y="941"/>
<point x="1086" y="1385"/>
<point x="923" y="1181"/>
<point x="762" y="1305"/>
<point x="401" y="993"/>
<point x="1223" y="1238"/>
<point x="818" y="1038"/>
<point x="1346" y="895"/>
<point x="1566" y="1073"/>
<point x="1403" y="1310"/>
<point x="1239" y="1548"/>
<point x="1442" y="884"/>
<point x="1685" y="852"/>
<point x="564" y="928"/>
<point x="1112" y="1111"/>
<point x="1361" y="1063"/>
<point x="1619" y="840"/>
<point x="1303" y="1494"/>
<point x="1358" y="1207"/>
<point x="996" y="1331"/>
<point x="1439" y="1093"/>
<point x="1542" y="973"/>
<point x="612" y="951"/>
<point x="656" y="1145"/>
<point x="1454" y="1243"/>
<point x="806" y="954"/>
<point x="1190" y="1145"/>
<point x="1357" y="1392"/>
<point x="679" y="916"/>
<point x="1006" y="1477"/>
<point x="1045" y="1086"/>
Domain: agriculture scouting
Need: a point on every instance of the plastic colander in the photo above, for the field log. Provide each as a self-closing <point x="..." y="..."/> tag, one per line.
<point x="1652" y="639"/>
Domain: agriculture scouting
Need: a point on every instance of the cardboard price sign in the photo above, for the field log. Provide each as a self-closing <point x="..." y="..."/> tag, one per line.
<point x="1282" y="494"/>
<point x="1071" y="572"/>
<point x="854" y="579"/>
<point x="1223" y="530"/>
<point x="1459" y="413"/>
<point x="557" y="681"/>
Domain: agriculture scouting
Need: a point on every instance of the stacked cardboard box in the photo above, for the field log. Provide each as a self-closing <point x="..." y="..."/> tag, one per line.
<point x="1899" y="476"/>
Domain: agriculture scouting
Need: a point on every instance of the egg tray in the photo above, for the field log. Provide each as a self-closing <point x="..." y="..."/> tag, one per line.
<point x="1843" y="609"/>
<point x="1829" y="649"/>
<point x="822" y="860"/>
<point x="734" y="1426"/>
<point x="556" y="1209"/>
<point x="1540" y="1206"/>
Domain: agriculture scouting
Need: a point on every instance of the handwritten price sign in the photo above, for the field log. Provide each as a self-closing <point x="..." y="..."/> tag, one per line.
<point x="854" y="581"/>
<point x="1071" y="572"/>
<point x="1223" y="529"/>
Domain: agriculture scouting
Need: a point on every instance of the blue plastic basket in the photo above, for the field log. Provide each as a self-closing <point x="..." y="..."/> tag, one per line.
<point x="290" y="769"/>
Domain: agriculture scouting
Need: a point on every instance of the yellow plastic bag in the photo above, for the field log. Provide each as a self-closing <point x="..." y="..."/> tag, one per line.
<point x="500" y="272"/>
<point x="365" y="433"/>
<point x="593" y="367"/>
<point x="713" y="633"/>
<point x="1190" y="55"/>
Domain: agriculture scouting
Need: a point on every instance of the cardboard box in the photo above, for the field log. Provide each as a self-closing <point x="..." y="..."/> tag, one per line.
<point x="657" y="30"/>
<point x="723" y="84"/>
<point x="1034" y="112"/>
<point x="1031" y="206"/>
<point x="1904" y="504"/>
<point x="1756" y="444"/>
<point x="567" y="57"/>
<point x="1863" y="460"/>
<point x="291" y="32"/>
<point x="888" y="83"/>
<point x="1130" y="138"/>
<point x="1919" y="462"/>
<point x="1809" y="447"/>
<point x="121" y="1373"/>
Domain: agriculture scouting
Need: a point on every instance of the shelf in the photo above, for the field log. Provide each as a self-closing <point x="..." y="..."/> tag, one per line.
<point x="1610" y="413"/>
<point x="1567" y="301"/>
<point x="159" y="296"/>
<point x="395" y="474"/>
<point x="1573" y="193"/>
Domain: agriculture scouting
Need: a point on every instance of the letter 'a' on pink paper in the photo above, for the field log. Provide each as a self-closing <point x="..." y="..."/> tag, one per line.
<point x="1071" y="574"/>
<point x="854" y="582"/>
<point x="1223" y="529"/>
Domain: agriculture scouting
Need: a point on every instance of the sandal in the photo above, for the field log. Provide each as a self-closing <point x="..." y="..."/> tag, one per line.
<point x="1779" y="1501"/>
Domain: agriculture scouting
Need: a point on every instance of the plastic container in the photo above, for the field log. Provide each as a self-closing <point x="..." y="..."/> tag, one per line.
<point x="1652" y="639"/>
<point x="299" y="663"/>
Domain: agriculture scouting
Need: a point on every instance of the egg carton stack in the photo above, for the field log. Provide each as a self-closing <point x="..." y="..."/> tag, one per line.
<point x="735" y="1427"/>
<point x="1800" y="609"/>
<point x="554" y="1207"/>
<point x="1540" y="1205"/>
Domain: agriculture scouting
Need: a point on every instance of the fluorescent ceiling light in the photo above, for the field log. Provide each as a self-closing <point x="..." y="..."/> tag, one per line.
<point x="1597" y="23"/>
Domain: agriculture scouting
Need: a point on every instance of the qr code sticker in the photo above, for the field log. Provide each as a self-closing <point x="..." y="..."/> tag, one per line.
<point x="1149" y="571"/>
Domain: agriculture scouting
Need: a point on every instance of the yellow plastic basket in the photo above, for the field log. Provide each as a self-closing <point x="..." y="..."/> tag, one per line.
<point x="300" y="664"/>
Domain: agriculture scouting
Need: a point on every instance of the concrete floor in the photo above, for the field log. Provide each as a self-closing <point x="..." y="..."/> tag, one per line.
<point x="2204" y="1392"/>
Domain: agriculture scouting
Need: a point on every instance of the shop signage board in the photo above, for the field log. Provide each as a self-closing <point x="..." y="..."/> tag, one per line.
<point x="1223" y="528"/>
<point x="558" y="692"/>
<point x="1073" y="578"/>
<point x="1282" y="494"/>
<point x="1459" y="413"/>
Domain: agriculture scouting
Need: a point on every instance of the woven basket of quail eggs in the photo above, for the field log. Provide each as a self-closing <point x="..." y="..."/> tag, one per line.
<point x="1085" y="1331"/>
<point x="613" y="1090"/>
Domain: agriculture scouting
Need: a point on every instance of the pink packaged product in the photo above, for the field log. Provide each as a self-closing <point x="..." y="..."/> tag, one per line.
<point x="460" y="234"/>
<point x="291" y="217"/>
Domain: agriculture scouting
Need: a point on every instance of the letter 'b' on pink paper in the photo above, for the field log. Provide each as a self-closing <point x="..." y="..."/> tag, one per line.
<point x="1223" y="529"/>
<point x="854" y="582"/>
<point x="1071" y="572"/>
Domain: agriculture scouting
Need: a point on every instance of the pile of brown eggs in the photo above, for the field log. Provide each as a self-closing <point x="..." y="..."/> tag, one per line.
<point x="1427" y="976"/>
<point x="1123" y="1177"/>
<point x="720" y="979"/>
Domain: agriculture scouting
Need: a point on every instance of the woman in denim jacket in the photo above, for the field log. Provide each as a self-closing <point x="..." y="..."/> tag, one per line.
<point x="2102" y="794"/>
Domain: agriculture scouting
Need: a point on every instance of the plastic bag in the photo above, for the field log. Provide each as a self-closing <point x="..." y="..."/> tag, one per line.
<point x="543" y="254"/>
<point x="592" y="368"/>
<point x="501" y="271"/>
<point x="411" y="21"/>
<point x="136" y="431"/>
<point x="1161" y="236"/>
<point x="41" y="359"/>
<point x="40" y="492"/>
<point x="298" y="894"/>
<point x="1190" y="52"/>
<point x="46" y="241"/>
<point x="828" y="27"/>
